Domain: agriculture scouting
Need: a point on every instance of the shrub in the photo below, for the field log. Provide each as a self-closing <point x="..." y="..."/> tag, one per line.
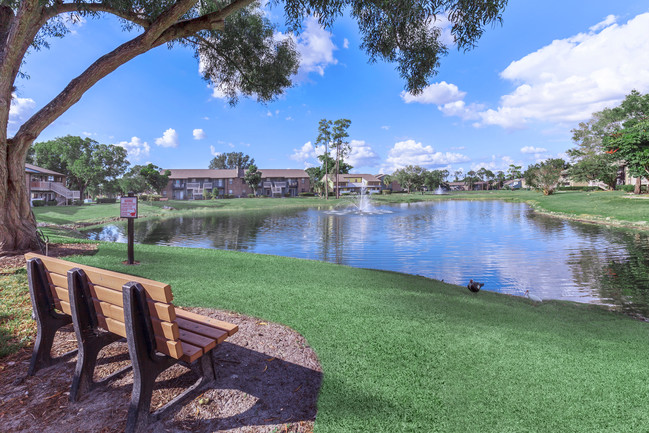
<point x="306" y="194"/>
<point x="106" y="200"/>
<point x="77" y="202"/>
<point x="578" y="188"/>
<point x="625" y="188"/>
<point x="386" y="191"/>
<point x="51" y="203"/>
<point x="251" y="196"/>
<point x="38" y="203"/>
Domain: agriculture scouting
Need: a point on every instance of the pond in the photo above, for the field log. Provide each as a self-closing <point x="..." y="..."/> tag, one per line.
<point x="504" y="245"/>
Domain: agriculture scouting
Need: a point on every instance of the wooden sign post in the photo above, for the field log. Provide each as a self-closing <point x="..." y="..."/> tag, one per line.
<point x="128" y="209"/>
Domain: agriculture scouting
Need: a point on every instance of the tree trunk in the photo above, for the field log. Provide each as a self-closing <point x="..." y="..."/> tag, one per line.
<point x="638" y="185"/>
<point x="17" y="223"/>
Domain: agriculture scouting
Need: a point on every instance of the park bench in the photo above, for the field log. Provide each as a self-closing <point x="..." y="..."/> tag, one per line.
<point x="106" y="306"/>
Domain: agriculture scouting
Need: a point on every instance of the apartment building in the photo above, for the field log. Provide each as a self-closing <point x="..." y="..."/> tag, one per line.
<point x="197" y="184"/>
<point x="356" y="183"/>
<point x="47" y="185"/>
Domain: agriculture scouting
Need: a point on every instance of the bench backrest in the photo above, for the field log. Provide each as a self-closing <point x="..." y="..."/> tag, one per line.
<point x="105" y="289"/>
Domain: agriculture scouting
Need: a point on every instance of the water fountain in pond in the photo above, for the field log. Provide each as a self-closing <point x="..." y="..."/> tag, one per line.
<point x="440" y="191"/>
<point x="361" y="204"/>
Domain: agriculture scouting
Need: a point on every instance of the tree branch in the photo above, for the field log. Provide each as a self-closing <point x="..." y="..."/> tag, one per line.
<point x="211" y="21"/>
<point x="61" y="8"/>
<point x="155" y="35"/>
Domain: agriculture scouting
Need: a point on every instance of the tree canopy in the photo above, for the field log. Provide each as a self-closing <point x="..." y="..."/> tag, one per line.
<point x="238" y="49"/>
<point x="594" y="157"/>
<point x="231" y="160"/>
<point x="85" y="162"/>
<point x="252" y="178"/>
<point x="545" y="175"/>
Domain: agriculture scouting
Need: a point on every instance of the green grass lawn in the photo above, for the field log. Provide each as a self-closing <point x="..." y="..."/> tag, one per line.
<point x="406" y="353"/>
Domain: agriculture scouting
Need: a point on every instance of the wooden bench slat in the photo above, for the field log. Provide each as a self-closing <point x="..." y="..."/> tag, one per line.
<point x="63" y="306"/>
<point x="155" y="290"/>
<point x="200" y="341"/>
<point x="159" y="310"/>
<point x="208" y="331"/>
<point x="168" y="330"/>
<point x="162" y="311"/>
<point x="230" y="328"/>
<point x="190" y="353"/>
<point x="175" y="349"/>
<point x="58" y="279"/>
<point x="61" y="293"/>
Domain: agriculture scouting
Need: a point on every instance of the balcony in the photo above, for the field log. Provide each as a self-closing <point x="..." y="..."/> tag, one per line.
<point x="268" y="184"/>
<point x="193" y="185"/>
<point x="178" y="185"/>
<point x="292" y="183"/>
<point x="280" y="184"/>
<point x="207" y="185"/>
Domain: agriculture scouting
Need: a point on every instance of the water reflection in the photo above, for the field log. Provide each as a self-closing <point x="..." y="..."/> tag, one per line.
<point x="505" y="245"/>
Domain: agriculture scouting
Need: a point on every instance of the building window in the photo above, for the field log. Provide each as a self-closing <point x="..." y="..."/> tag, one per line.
<point x="50" y="178"/>
<point x="164" y="192"/>
<point x="230" y="191"/>
<point x="230" y="182"/>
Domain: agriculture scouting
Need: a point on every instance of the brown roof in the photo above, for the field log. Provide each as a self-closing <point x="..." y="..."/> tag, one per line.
<point x="283" y="172"/>
<point x="201" y="173"/>
<point x="38" y="169"/>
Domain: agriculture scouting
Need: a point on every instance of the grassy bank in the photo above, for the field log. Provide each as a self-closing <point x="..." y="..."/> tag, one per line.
<point x="405" y="353"/>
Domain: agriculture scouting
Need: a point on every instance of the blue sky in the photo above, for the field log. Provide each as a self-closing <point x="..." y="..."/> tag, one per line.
<point x="512" y="99"/>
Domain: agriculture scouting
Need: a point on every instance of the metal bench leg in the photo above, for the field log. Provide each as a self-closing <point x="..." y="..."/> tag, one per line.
<point x="90" y="339"/>
<point x="48" y="321"/>
<point x="147" y="364"/>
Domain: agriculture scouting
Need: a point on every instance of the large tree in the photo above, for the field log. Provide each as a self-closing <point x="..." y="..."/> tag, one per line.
<point x="339" y="137"/>
<point x="231" y="160"/>
<point x="410" y="177"/>
<point x="238" y="48"/>
<point x="590" y="157"/>
<point x="545" y="175"/>
<point x="85" y="162"/>
<point x="252" y="178"/>
<point x="324" y="139"/>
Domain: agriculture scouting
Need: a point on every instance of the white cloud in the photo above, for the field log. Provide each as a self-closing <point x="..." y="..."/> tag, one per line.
<point x="361" y="155"/>
<point x="89" y="134"/>
<point x="385" y="127"/>
<point x="289" y="118"/>
<point x="213" y="151"/>
<point x="410" y="152"/>
<point x="136" y="148"/>
<point x="199" y="134"/>
<point x="346" y="43"/>
<point x="20" y="109"/>
<point x="437" y="93"/>
<point x="305" y="153"/>
<point x="315" y="47"/>
<point x="569" y="79"/>
<point x="532" y="149"/>
<point x="169" y="138"/>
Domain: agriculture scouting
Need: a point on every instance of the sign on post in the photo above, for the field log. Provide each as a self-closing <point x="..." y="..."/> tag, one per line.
<point x="128" y="209"/>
